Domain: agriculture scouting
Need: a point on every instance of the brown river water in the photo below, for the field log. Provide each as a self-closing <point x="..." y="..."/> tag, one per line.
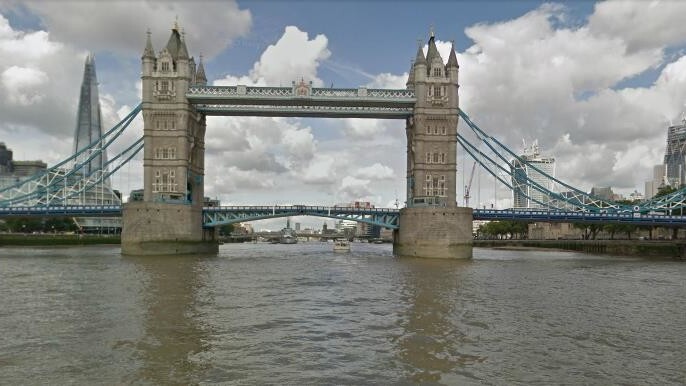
<point x="262" y="314"/>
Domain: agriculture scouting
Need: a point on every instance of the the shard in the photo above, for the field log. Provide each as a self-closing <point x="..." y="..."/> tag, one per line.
<point x="89" y="119"/>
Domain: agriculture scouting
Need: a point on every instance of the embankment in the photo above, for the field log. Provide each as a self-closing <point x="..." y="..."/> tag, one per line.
<point x="52" y="239"/>
<point x="639" y="248"/>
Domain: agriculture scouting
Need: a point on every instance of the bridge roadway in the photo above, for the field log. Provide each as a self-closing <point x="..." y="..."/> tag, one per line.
<point x="385" y="217"/>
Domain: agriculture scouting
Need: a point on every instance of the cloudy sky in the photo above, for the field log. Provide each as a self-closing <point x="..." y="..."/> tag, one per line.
<point x="596" y="84"/>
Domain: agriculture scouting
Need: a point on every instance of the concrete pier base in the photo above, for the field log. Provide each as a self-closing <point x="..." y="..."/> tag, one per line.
<point x="434" y="232"/>
<point x="165" y="229"/>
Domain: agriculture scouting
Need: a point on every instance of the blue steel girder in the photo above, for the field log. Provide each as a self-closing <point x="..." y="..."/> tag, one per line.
<point x="216" y="216"/>
<point x="558" y="216"/>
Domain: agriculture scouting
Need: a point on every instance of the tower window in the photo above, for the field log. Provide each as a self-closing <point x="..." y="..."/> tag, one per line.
<point x="437" y="92"/>
<point x="165" y="66"/>
<point x="437" y="71"/>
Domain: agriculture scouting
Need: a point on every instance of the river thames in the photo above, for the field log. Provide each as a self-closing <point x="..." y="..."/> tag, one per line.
<point x="260" y="314"/>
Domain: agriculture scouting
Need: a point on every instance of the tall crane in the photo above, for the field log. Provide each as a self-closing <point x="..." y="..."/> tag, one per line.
<point x="469" y="186"/>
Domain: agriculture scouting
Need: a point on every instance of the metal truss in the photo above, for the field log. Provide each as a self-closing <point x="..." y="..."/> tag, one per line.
<point x="498" y="164"/>
<point x="216" y="216"/>
<point x="67" y="184"/>
<point x="532" y="215"/>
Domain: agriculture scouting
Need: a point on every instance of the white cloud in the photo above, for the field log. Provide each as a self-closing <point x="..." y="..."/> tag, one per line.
<point x="375" y="172"/>
<point x="35" y="88"/>
<point x="355" y="189"/>
<point x="292" y="58"/>
<point x="120" y="26"/>
<point x="534" y="78"/>
<point x="641" y="24"/>
<point x="23" y="85"/>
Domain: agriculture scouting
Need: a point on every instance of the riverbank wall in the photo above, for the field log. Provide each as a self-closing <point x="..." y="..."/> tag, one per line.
<point x="17" y="239"/>
<point x="640" y="248"/>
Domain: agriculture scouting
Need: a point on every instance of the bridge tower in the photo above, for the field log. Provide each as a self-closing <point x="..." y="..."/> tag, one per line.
<point x="432" y="225"/>
<point x="169" y="219"/>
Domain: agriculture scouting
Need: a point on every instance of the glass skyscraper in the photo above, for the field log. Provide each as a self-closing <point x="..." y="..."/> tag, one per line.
<point x="89" y="119"/>
<point x="675" y="154"/>
<point x="524" y="195"/>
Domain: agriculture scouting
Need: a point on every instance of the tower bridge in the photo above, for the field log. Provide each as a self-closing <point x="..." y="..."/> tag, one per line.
<point x="176" y="100"/>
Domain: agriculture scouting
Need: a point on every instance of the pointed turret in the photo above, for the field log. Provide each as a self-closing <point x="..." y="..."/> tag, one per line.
<point x="410" y="77"/>
<point x="200" y="77"/>
<point x="183" y="51"/>
<point x="420" y="59"/>
<point x="174" y="43"/>
<point x="432" y="53"/>
<point x="148" y="52"/>
<point x="452" y="59"/>
<point x="419" y="73"/>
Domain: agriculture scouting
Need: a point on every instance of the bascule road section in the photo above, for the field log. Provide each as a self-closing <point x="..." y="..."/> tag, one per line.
<point x="176" y="100"/>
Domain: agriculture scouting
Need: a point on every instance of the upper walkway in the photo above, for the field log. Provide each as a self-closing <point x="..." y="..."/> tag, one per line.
<point x="302" y="100"/>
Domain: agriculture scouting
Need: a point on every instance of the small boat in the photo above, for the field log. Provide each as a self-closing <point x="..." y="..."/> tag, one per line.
<point x="288" y="236"/>
<point x="341" y="246"/>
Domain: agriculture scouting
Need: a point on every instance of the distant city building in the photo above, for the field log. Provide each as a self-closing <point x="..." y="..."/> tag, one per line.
<point x="12" y="172"/>
<point x="28" y="168"/>
<point x="635" y="196"/>
<point x="524" y="195"/>
<point x="604" y="193"/>
<point x="207" y="202"/>
<point x="675" y="154"/>
<point x="5" y="159"/>
<point x="659" y="180"/>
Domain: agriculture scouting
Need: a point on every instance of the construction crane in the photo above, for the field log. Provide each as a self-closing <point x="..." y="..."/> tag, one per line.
<point x="469" y="186"/>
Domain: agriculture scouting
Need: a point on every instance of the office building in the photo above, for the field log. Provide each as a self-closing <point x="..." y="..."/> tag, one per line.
<point x="531" y="166"/>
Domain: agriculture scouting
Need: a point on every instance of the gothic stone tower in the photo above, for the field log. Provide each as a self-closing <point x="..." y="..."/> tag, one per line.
<point x="169" y="219"/>
<point x="432" y="225"/>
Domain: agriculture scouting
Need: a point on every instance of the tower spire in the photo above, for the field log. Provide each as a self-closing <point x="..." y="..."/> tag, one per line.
<point x="148" y="52"/>
<point x="419" y="58"/>
<point x="452" y="59"/>
<point x="200" y="77"/>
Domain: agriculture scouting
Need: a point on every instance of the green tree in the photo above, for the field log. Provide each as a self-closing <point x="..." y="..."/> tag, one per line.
<point x="226" y="229"/>
<point x="589" y="230"/>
